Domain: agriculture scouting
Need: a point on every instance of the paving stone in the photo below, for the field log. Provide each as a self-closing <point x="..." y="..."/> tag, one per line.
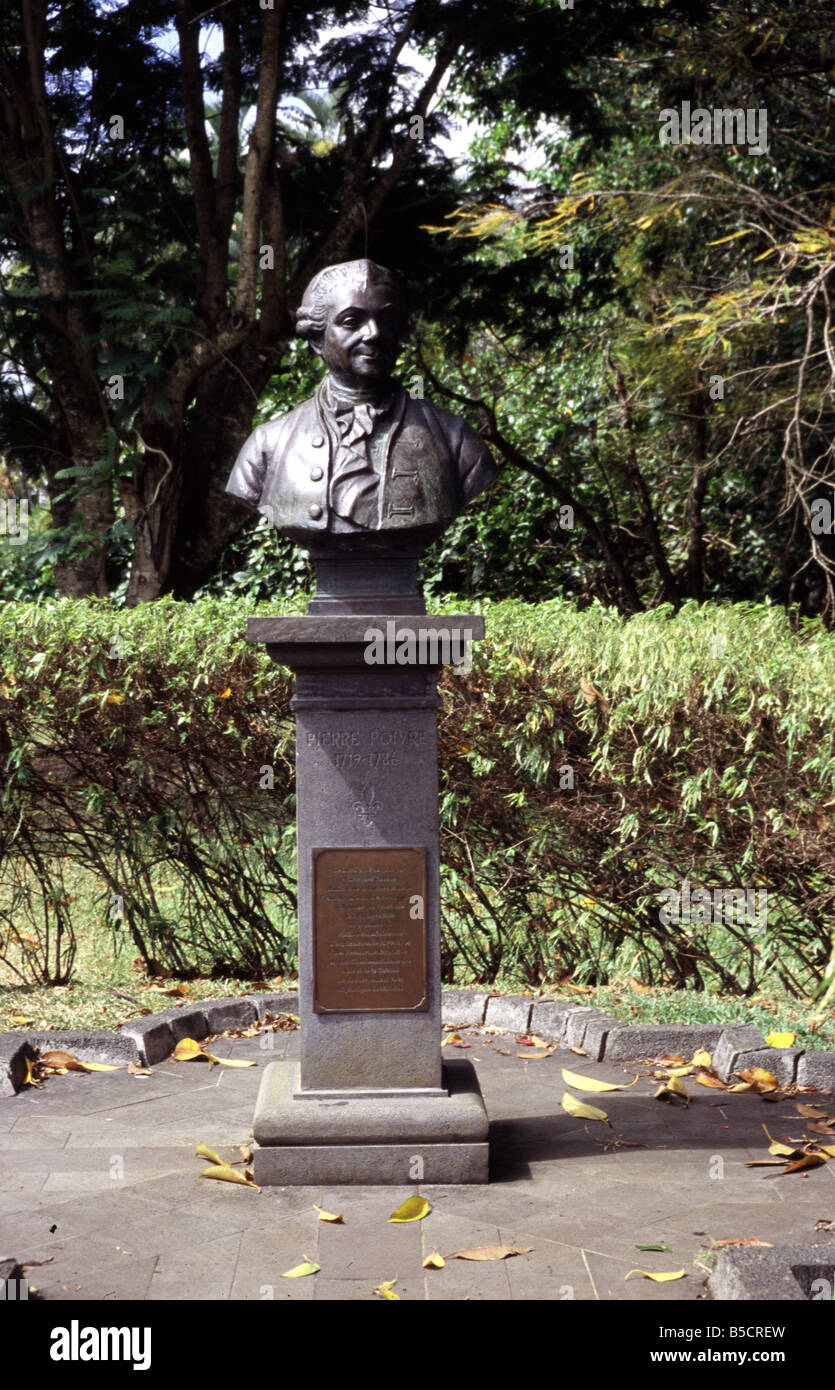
<point x="202" y="1270"/>
<point x="265" y="1254"/>
<point x="15" y="1050"/>
<point x="509" y="1011"/>
<point x="548" y="1018"/>
<point x="740" y="1038"/>
<point x="463" y="1006"/>
<point x="817" y="1069"/>
<point x="125" y="1279"/>
<point x="660" y="1039"/>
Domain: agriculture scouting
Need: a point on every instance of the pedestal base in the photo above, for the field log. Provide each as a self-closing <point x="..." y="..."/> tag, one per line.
<point x="303" y="1141"/>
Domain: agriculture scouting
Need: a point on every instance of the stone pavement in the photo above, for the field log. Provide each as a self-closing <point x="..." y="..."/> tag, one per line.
<point x="98" y="1176"/>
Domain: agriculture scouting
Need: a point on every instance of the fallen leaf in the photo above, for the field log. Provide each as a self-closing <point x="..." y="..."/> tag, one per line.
<point x="765" y="1162"/>
<point x="824" y="1223"/>
<point x="706" y="1077"/>
<point x="202" y="1152"/>
<point x="775" y="1147"/>
<point x="674" y="1087"/>
<point x="229" y="1061"/>
<point x="740" y="1240"/>
<point x="434" y="1260"/>
<point x="187" y="1050"/>
<point x="591" y="1083"/>
<point x="30" y="1079"/>
<point x="821" y="1127"/>
<point x="670" y="1059"/>
<point x="18" y="1018"/>
<point x="576" y="1107"/>
<point x="225" y="1173"/>
<point x="299" y="1271"/>
<point x="802" y="1163"/>
<point x="386" y="1291"/>
<point x="581" y="1051"/>
<point x="681" y="1071"/>
<point x="664" y="1248"/>
<point x="536" y="1056"/>
<point x="327" y="1215"/>
<point x="246" y="1152"/>
<point x="65" y="1061"/>
<point x="810" y="1112"/>
<point x="780" y="1039"/>
<point x="759" y="1077"/>
<point x="413" y="1209"/>
<point x="702" y="1059"/>
<point x="490" y="1252"/>
<point x="135" y="1070"/>
<point x="828" y="1149"/>
<point x="656" y="1278"/>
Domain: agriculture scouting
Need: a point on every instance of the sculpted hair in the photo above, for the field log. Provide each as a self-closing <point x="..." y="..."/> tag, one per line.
<point x="312" y="313"/>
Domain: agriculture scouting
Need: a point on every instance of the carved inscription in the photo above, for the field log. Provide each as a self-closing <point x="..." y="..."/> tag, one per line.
<point x="369" y="930"/>
<point x="378" y="749"/>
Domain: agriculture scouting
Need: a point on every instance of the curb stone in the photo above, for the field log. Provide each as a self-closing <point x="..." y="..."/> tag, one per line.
<point x="787" y="1273"/>
<point x="151" y="1039"/>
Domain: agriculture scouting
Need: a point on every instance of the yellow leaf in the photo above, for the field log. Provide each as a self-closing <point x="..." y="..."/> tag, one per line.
<point x="828" y="1149"/>
<point x="386" y="1291"/>
<point x="536" y="1056"/>
<point x="576" y="1107"/>
<point x="114" y="698"/>
<point x="224" y="1173"/>
<point x="709" y="1078"/>
<point x="745" y="231"/>
<point x="99" y="1066"/>
<point x="451" y="1038"/>
<point x="228" y="1061"/>
<point x="299" y="1271"/>
<point x="805" y="1161"/>
<point x="759" y="1077"/>
<point x="656" y="1278"/>
<point x="674" y="1086"/>
<point x="490" y="1252"/>
<point x="780" y="1039"/>
<point x="18" y="1018"/>
<point x="775" y="1147"/>
<point x="327" y="1215"/>
<point x="30" y="1079"/>
<point x="591" y="1083"/>
<point x="434" y="1261"/>
<point x="681" y="1071"/>
<point x="702" y="1059"/>
<point x="224" y="694"/>
<point x="202" y="1152"/>
<point x="413" y="1209"/>
<point x="187" y="1050"/>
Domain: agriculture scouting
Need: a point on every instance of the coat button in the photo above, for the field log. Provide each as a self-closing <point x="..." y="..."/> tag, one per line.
<point x="317" y="441"/>
<point x="316" y="474"/>
<point x="315" y="511"/>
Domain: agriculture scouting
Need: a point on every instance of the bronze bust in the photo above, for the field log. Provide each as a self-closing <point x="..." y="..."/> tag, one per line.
<point x="361" y="464"/>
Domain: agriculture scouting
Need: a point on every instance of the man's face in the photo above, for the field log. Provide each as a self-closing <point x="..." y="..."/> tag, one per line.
<point x="360" y="343"/>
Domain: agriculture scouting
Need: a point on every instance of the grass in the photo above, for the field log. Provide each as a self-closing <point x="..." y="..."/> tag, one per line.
<point x="108" y="989"/>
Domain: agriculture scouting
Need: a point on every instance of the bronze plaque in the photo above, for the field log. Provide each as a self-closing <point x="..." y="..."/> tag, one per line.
<point x="369" y="930"/>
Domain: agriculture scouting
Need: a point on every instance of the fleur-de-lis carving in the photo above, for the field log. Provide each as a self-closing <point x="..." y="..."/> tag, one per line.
<point x="366" y="808"/>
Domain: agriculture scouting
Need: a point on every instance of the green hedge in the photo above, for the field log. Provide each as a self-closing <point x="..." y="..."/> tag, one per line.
<point x="588" y="764"/>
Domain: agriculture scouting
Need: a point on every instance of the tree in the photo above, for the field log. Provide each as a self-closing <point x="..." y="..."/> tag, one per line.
<point x="154" y="271"/>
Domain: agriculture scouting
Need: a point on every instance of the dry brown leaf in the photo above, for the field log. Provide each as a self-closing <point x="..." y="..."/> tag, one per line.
<point x="801" y="1164"/>
<point x="707" y="1077"/>
<point x="134" y="1069"/>
<point x="760" y="1078"/>
<point x="821" y="1127"/>
<point x="740" y="1240"/>
<point x="490" y="1252"/>
<point x="670" y="1059"/>
<point x="810" y="1112"/>
<point x="246" y="1152"/>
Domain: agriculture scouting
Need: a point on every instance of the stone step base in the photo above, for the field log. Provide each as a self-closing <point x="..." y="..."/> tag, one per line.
<point x="400" y="1165"/>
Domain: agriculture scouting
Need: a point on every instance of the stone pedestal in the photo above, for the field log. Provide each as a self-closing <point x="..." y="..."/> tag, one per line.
<point x="370" y="1101"/>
